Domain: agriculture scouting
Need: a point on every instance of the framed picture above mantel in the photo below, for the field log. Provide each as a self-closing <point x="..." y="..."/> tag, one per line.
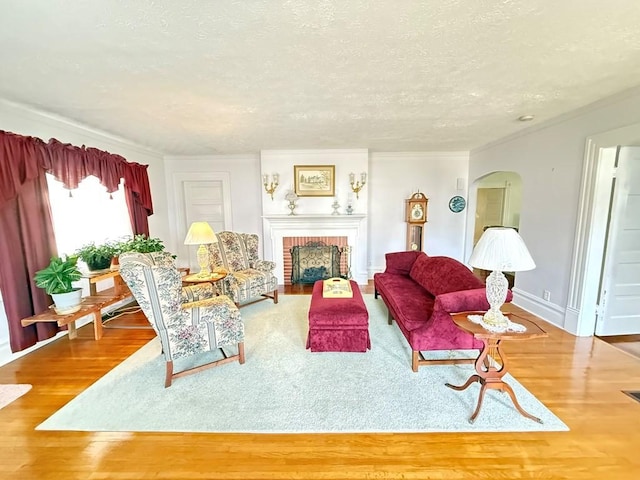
<point x="315" y="180"/>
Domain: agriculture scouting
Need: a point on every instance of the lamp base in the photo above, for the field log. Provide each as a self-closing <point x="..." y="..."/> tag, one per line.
<point x="496" y="287"/>
<point x="203" y="262"/>
<point x="495" y="318"/>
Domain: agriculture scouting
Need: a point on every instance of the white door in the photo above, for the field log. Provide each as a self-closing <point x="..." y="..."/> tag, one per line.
<point x="619" y="302"/>
<point x="204" y="202"/>
<point x="200" y="197"/>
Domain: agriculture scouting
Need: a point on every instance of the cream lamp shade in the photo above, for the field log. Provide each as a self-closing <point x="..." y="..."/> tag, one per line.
<point x="500" y="249"/>
<point x="201" y="233"/>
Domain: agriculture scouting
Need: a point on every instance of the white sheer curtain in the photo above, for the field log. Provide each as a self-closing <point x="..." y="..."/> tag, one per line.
<point x="88" y="215"/>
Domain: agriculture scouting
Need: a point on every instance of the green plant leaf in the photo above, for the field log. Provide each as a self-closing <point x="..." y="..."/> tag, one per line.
<point x="58" y="276"/>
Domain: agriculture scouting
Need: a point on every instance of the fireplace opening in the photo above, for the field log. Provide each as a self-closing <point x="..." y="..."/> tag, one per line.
<point x="315" y="261"/>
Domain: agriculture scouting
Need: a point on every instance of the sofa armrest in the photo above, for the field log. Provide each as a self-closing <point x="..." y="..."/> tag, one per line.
<point x="400" y="263"/>
<point x="464" y="300"/>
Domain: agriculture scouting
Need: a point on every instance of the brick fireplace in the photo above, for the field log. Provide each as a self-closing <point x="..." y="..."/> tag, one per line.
<point x="289" y="242"/>
<point x="281" y="232"/>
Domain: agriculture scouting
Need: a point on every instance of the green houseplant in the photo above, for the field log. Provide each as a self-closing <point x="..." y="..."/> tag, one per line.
<point x="97" y="257"/>
<point x="141" y="244"/>
<point x="56" y="279"/>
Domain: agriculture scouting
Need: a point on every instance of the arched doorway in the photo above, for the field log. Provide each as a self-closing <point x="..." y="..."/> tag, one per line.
<point x="498" y="204"/>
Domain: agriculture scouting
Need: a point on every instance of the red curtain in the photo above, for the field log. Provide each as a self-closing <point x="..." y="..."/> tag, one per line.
<point x="71" y="164"/>
<point x="26" y="236"/>
<point x="138" y="196"/>
<point x="26" y="233"/>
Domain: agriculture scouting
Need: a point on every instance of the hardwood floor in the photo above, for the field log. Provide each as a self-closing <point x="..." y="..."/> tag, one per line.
<point x="627" y="343"/>
<point x="579" y="379"/>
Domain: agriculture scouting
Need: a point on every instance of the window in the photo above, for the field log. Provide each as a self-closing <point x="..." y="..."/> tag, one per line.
<point x="88" y="215"/>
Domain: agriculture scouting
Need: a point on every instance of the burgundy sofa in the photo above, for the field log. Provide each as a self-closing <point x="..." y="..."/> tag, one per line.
<point x="421" y="292"/>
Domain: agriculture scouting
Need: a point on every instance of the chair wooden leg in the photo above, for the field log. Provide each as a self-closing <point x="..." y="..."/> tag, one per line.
<point x="275" y="296"/>
<point x="241" y="352"/>
<point x="169" y="375"/>
<point x="414" y="360"/>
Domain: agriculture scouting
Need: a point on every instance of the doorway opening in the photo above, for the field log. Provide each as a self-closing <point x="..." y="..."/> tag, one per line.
<point x="498" y="204"/>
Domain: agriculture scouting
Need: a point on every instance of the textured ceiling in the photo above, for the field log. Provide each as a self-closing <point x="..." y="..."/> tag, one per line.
<point x="203" y="77"/>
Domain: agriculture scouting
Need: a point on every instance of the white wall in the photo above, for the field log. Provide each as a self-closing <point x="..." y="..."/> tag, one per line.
<point x="22" y="121"/>
<point x="346" y="161"/>
<point x="245" y="188"/>
<point x="393" y="178"/>
<point x="549" y="159"/>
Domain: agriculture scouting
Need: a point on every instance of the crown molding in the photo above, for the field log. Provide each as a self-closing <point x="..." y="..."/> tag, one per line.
<point x="72" y="126"/>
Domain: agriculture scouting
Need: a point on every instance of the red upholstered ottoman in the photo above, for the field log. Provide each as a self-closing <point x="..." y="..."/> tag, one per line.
<point x="338" y="324"/>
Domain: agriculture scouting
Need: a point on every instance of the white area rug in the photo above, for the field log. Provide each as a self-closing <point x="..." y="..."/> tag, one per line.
<point x="283" y="387"/>
<point x="11" y="392"/>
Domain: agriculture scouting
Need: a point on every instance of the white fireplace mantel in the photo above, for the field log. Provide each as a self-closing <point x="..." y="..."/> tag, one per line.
<point x="354" y="227"/>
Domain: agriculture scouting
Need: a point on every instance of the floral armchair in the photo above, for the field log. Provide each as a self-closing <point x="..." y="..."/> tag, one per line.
<point x="187" y="320"/>
<point x="248" y="277"/>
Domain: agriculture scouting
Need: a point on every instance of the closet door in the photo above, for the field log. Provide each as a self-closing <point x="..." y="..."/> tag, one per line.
<point x="619" y="303"/>
<point x="200" y="197"/>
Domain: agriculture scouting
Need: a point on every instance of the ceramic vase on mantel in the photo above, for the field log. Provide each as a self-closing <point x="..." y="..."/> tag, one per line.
<point x="291" y="197"/>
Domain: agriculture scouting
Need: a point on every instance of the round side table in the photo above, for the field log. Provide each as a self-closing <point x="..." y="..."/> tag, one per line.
<point x="212" y="278"/>
<point x="491" y="365"/>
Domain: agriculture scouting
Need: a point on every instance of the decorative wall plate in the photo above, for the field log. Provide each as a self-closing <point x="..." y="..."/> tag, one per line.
<point x="457" y="204"/>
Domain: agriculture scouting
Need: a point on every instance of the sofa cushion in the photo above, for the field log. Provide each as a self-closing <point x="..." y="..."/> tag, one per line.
<point x="400" y="263"/>
<point x="409" y="303"/>
<point x="438" y="275"/>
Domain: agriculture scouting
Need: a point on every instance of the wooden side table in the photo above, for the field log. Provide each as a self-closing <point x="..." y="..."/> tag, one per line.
<point x="489" y="371"/>
<point x="211" y="278"/>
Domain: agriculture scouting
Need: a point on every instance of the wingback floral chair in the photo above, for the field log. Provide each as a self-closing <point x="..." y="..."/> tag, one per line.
<point x="187" y="320"/>
<point x="248" y="277"/>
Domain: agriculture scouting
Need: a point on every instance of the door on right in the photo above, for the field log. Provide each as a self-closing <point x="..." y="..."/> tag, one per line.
<point x="619" y="299"/>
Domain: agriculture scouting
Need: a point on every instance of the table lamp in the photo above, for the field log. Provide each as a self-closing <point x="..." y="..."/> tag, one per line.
<point x="500" y="249"/>
<point x="201" y="233"/>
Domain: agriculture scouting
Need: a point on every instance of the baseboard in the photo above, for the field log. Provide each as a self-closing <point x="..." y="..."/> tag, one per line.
<point x="373" y="270"/>
<point x="548" y="311"/>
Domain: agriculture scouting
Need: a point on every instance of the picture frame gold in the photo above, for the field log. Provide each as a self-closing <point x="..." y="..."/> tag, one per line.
<point x="315" y="180"/>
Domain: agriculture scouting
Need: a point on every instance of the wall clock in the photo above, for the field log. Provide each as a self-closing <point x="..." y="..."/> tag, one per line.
<point x="457" y="204"/>
<point x="416" y="217"/>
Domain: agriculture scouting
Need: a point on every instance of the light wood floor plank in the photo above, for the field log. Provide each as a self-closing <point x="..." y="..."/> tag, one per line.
<point x="579" y="379"/>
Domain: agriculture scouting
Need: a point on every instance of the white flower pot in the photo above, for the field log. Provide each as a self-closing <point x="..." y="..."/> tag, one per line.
<point x="66" y="303"/>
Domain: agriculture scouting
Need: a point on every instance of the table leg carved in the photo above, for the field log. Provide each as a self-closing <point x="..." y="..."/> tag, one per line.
<point x="491" y="366"/>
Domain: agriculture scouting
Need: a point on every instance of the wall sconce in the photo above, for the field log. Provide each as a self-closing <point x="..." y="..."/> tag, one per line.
<point x="357" y="186"/>
<point x="270" y="187"/>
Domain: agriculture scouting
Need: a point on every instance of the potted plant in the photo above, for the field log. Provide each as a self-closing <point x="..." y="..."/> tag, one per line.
<point x="56" y="279"/>
<point x="97" y="257"/>
<point x="141" y="244"/>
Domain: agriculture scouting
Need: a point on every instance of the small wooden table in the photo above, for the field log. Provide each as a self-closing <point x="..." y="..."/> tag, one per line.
<point x="91" y="305"/>
<point x="212" y="278"/>
<point x="489" y="371"/>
